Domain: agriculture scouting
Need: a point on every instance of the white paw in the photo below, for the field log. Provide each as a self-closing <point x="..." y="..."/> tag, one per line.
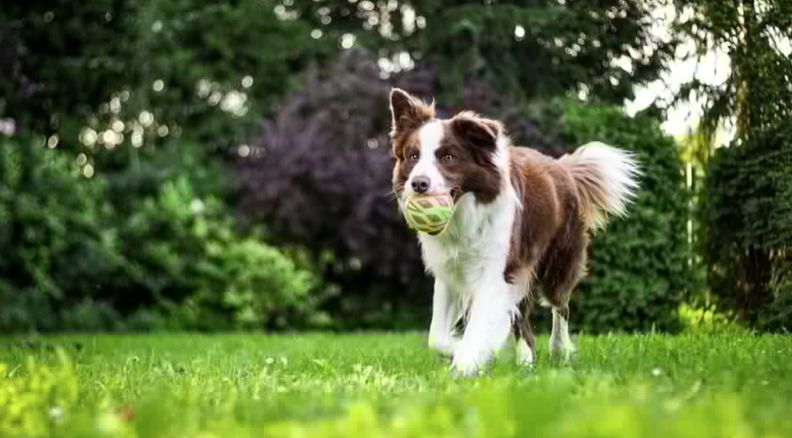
<point x="562" y="349"/>
<point x="446" y="347"/>
<point x="461" y="369"/>
<point x="525" y="356"/>
<point x="465" y="364"/>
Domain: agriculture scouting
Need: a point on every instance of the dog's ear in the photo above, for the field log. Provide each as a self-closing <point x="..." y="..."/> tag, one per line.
<point x="408" y="112"/>
<point x="475" y="131"/>
<point x="495" y="126"/>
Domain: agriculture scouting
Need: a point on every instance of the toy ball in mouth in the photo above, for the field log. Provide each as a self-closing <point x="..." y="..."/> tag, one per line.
<point x="428" y="214"/>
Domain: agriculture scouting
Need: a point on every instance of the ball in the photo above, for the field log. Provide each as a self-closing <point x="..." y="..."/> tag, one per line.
<point x="429" y="214"/>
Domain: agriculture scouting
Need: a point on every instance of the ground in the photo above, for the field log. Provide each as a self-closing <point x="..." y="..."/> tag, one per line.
<point x="384" y="385"/>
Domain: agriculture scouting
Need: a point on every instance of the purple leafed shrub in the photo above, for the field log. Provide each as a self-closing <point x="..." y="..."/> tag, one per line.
<point x="319" y="175"/>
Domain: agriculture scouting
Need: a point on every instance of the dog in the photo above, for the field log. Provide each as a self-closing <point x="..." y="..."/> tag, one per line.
<point x="522" y="221"/>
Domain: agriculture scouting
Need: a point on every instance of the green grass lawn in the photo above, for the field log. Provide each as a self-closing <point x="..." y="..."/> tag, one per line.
<point x="390" y="385"/>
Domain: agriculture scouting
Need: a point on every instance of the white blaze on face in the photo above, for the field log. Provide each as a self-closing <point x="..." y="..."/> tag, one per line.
<point x="430" y="136"/>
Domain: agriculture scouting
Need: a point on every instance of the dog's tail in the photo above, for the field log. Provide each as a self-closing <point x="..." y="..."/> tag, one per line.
<point x="607" y="181"/>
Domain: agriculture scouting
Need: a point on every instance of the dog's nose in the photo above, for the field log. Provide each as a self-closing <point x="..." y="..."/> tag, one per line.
<point x="420" y="184"/>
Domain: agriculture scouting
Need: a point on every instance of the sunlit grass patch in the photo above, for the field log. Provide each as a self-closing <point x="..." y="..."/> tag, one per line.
<point x="389" y="386"/>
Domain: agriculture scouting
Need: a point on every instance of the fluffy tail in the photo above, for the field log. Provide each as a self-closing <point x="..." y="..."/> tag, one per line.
<point x="607" y="179"/>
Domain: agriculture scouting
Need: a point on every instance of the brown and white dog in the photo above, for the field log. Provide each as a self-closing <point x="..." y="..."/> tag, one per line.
<point x="522" y="220"/>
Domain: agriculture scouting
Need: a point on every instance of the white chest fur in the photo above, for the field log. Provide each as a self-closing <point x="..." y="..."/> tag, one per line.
<point x="476" y="245"/>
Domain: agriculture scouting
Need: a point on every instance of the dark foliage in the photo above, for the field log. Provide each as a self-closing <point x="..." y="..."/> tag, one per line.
<point x="561" y="46"/>
<point x="748" y="211"/>
<point x="60" y="59"/>
<point x="319" y="175"/>
<point x="56" y="252"/>
<point x="750" y="190"/>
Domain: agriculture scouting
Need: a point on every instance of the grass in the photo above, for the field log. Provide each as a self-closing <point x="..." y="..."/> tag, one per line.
<point x="383" y="385"/>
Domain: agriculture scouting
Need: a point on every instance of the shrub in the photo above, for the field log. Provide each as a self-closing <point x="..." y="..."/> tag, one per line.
<point x="750" y="212"/>
<point x="190" y="261"/>
<point x="56" y="251"/>
<point x="90" y="316"/>
<point x="776" y="316"/>
<point x="638" y="269"/>
<point x="70" y="262"/>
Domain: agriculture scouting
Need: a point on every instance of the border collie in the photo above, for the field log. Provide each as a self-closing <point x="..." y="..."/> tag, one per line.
<point x="522" y="220"/>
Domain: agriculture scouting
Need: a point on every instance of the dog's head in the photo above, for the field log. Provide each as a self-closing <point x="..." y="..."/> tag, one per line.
<point x="461" y="155"/>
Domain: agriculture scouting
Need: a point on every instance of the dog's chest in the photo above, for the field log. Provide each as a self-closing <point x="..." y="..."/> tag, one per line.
<point x="459" y="259"/>
<point x="476" y="242"/>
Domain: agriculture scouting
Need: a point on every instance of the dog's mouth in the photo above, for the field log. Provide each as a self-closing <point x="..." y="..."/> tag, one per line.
<point x="455" y="193"/>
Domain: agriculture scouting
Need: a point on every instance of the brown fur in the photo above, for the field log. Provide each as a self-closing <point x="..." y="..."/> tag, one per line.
<point x="473" y="171"/>
<point x="549" y="237"/>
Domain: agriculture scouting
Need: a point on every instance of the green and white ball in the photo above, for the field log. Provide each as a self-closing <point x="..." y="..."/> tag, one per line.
<point x="428" y="214"/>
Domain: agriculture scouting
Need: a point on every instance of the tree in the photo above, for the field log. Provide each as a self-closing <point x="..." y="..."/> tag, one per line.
<point x="61" y="59"/>
<point x="116" y="79"/>
<point x="527" y="48"/>
<point x="750" y="223"/>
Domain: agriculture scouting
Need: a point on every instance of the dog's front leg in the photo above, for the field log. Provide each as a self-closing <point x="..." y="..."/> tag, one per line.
<point x="491" y="314"/>
<point x="445" y="313"/>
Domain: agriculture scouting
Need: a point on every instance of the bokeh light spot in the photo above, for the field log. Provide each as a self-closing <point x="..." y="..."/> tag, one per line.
<point x="519" y="32"/>
<point x="146" y="118"/>
<point x="347" y="41"/>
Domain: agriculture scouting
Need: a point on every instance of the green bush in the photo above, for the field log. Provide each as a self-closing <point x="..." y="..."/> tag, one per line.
<point x="91" y="316"/>
<point x="190" y="261"/>
<point x="169" y="261"/>
<point x="750" y="213"/>
<point x="776" y="316"/>
<point x="638" y="265"/>
<point x="55" y="251"/>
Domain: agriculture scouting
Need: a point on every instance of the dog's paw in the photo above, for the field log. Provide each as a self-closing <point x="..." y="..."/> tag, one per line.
<point x="465" y="372"/>
<point x="464" y="366"/>
<point x="444" y="348"/>
<point x="564" y="353"/>
<point x="526" y="356"/>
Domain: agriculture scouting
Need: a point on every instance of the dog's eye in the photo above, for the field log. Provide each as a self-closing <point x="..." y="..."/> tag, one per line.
<point x="448" y="158"/>
<point x="413" y="157"/>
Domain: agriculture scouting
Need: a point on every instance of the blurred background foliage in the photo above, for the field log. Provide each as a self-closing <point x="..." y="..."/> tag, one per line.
<point x="222" y="165"/>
